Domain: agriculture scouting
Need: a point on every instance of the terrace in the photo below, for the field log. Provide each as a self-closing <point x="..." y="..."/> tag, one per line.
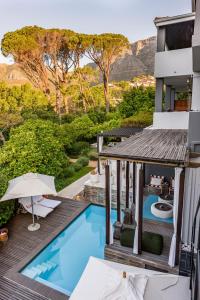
<point x="18" y="251"/>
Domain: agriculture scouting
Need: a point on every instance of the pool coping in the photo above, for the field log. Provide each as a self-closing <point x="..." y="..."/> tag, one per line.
<point x="40" y="289"/>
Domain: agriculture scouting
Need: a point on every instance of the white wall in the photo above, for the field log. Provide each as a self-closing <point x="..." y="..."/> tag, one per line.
<point x="173" y="63"/>
<point x="170" y="120"/>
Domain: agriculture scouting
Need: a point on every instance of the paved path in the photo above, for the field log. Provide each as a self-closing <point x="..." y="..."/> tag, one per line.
<point x="75" y="188"/>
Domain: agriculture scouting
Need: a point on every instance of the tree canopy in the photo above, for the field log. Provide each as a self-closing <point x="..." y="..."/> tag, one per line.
<point x="48" y="55"/>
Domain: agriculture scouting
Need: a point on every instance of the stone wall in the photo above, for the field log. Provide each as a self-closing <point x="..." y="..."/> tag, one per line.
<point x="96" y="195"/>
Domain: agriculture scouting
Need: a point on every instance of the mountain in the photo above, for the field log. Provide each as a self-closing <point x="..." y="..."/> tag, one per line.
<point x="12" y="74"/>
<point x="137" y="61"/>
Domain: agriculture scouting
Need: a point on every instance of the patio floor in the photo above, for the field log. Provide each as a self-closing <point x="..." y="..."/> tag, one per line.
<point x="121" y="254"/>
<point x="23" y="245"/>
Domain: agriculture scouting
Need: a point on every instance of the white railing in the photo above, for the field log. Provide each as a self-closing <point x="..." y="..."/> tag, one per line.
<point x="173" y="63"/>
<point x="170" y="120"/>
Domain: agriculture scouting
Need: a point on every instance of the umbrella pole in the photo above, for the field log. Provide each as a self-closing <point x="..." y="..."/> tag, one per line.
<point x="34" y="226"/>
<point x="33" y="217"/>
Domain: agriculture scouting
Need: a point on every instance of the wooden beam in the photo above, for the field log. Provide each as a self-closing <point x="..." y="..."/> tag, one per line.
<point x="107" y="200"/>
<point x="134" y="182"/>
<point x="140" y="223"/>
<point x="179" y="216"/>
<point x="118" y="190"/>
<point x="127" y="183"/>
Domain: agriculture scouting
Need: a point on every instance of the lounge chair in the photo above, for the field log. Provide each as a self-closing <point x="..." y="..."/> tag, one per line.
<point x="157" y="184"/>
<point x="39" y="210"/>
<point x="46" y="202"/>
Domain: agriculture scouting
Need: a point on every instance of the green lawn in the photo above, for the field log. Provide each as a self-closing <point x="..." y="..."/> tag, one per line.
<point x="61" y="183"/>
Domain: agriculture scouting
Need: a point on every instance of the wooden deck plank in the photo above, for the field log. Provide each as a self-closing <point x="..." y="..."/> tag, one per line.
<point x="24" y="245"/>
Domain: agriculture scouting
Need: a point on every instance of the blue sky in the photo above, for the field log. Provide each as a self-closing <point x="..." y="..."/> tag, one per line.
<point x="133" y="18"/>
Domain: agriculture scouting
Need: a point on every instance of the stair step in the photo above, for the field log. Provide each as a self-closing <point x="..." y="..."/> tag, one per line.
<point x="30" y="273"/>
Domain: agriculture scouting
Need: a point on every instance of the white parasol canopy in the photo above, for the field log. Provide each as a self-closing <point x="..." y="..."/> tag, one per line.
<point x="29" y="185"/>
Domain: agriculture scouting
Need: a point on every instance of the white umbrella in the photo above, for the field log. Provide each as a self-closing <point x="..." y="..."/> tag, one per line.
<point x="29" y="185"/>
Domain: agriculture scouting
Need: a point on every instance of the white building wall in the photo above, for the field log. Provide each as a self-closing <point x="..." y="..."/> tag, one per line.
<point x="173" y="63"/>
<point x="170" y="120"/>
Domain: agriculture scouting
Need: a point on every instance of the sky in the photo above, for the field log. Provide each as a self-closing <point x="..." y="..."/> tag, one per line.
<point x="133" y="18"/>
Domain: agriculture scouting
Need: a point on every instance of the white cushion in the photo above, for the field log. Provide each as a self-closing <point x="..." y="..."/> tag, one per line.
<point x="156" y="181"/>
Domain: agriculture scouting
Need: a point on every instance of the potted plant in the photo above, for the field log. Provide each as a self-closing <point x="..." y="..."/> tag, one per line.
<point x="94" y="177"/>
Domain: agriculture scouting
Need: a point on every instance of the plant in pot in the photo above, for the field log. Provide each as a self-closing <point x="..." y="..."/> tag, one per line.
<point x="94" y="176"/>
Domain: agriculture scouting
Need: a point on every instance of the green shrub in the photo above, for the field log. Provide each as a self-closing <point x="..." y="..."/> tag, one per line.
<point x="97" y="117"/>
<point x="93" y="156"/>
<point x="136" y="100"/>
<point x="78" y="147"/>
<point x="83" y="161"/>
<point x="6" y="208"/>
<point x="6" y="211"/>
<point x="33" y="147"/>
<point x="77" y="166"/>
<point x="142" y="119"/>
<point x="69" y="171"/>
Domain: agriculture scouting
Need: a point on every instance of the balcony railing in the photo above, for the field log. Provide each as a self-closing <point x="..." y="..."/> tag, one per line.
<point x="173" y="63"/>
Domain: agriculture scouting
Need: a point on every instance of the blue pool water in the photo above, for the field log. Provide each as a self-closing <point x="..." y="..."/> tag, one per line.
<point x="62" y="262"/>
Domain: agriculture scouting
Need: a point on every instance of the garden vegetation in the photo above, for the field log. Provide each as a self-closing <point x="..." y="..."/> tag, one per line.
<point x="46" y="125"/>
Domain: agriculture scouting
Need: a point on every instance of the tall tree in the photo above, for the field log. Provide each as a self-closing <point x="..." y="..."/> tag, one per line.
<point x="23" y="45"/>
<point x="45" y="55"/>
<point x="104" y="50"/>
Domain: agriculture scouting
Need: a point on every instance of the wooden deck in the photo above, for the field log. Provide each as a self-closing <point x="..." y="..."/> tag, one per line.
<point x="121" y="254"/>
<point x="23" y="245"/>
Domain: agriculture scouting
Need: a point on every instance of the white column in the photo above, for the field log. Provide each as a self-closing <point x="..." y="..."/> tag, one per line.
<point x="172" y="253"/>
<point x="137" y="200"/>
<point x="196" y="92"/>
<point x="100" y="147"/>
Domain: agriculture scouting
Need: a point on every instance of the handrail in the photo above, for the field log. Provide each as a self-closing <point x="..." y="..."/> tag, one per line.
<point x="195" y="268"/>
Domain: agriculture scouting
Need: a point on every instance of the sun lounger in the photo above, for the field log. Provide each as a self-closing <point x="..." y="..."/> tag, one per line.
<point x="39" y="210"/>
<point x="46" y="202"/>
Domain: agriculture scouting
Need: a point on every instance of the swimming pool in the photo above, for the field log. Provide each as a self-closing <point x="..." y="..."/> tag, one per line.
<point x="62" y="262"/>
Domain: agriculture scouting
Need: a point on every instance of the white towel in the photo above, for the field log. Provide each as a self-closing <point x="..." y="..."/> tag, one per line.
<point x="130" y="288"/>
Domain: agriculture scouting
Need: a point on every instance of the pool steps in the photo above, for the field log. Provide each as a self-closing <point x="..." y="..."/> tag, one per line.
<point x="39" y="269"/>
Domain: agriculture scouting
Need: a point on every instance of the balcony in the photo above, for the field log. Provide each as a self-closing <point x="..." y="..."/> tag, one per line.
<point x="173" y="63"/>
<point x="170" y="120"/>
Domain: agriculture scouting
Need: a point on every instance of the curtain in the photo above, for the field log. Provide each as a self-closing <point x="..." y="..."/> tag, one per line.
<point x="135" y="245"/>
<point x="191" y="197"/>
<point x="110" y="187"/>
<point x="172" y="253"/>
<point x="100" y="147"/>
